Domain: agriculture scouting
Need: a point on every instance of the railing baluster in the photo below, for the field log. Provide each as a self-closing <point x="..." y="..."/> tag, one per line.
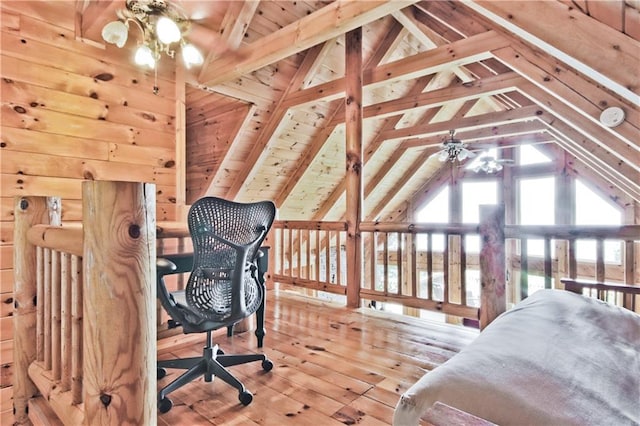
<point x="76" y="329"/>
<point x="65" y="320"/>
<point x="56" y="321"/>
<point x="430" y="265"/>
<point x="40" y="305"/>
<point x="524" y="269"/>
<point x="47" y="309"/>
<point x="547" y="263"/>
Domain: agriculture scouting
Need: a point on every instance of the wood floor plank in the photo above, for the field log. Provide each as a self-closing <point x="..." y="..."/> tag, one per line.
<point x="332" y="366"/>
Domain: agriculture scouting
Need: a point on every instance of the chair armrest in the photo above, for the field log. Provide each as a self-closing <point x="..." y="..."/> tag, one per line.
<point x="174" y="263"/>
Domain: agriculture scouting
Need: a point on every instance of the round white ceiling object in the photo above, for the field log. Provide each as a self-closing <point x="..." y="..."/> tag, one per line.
<point x="612" y="116"/>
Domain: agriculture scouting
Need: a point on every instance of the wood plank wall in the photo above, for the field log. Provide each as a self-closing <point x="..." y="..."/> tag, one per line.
<point x="73" y="110"/>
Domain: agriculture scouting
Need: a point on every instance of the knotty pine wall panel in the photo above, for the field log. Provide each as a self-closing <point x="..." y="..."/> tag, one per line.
<point x="72" y="110"/>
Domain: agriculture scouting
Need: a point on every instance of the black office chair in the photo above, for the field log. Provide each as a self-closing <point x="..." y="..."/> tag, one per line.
<point x="223" y="287"/>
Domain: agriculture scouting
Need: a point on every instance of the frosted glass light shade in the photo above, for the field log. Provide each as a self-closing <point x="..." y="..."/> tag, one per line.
<point x="167" y="30"/>
<point x="144" y="56"/>
<point x="115" y="32"/>
<point x="191" y="55"/>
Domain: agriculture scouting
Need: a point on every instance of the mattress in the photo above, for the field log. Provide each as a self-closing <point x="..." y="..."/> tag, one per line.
<point x="556" y="358"/>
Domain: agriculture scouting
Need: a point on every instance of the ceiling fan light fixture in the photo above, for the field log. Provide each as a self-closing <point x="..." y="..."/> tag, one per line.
<point x="162" y="26"/>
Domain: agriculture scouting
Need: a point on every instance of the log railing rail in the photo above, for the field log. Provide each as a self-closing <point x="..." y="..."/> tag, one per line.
<point x="76" y="283"/>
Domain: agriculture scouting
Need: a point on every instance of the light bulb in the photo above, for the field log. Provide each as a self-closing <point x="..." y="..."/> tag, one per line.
<point x="144" y="56"/>
<point x="191" y="55"/>
<point x="167" y="30"/>
<point x="115" y="32"/>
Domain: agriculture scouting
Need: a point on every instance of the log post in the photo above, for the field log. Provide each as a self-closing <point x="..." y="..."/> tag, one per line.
<point x="353" y="117"/>
<point x="119" y="345"/>
<point x="492" y="263"/>
<point x="29" y="211"/>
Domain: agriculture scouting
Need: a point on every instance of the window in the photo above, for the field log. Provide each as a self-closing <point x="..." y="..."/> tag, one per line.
<point x="475" y="194"/>
<point x="537" y="207"/>
<point x="436" y="211"/>
<point x="591" y="209"/>
<point x="531" y="155"/>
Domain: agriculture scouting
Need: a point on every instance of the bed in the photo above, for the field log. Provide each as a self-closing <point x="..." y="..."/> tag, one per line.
<point x="556" y="358"/>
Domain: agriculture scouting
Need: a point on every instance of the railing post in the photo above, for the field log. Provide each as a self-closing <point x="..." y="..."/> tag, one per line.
<point x="29" y="211"/>
<point x="119" y="347"/>
<point x="492" y="263"/>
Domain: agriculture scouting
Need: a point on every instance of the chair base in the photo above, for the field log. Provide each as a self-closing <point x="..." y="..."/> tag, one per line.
<point x="211" y="364"/>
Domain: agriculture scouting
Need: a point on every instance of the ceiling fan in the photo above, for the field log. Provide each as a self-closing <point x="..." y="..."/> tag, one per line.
<point x="453" y="149"/>
<point x="489" y="164"/>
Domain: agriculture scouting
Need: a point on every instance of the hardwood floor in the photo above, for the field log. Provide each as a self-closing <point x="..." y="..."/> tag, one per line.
<point x="333" y="366"/>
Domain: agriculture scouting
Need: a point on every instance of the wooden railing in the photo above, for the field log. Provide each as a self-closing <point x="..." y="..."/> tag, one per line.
<point x="559" y="258"/>
<point x="402" y="265"/>
<point x="84" y="317"/>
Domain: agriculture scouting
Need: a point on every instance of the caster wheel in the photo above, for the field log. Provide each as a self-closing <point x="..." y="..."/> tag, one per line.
<point x="161" y="373"/>
<point x="245" y="397"/>
<point x="267" y="365"/>
<point x="220" y="352"/>
<point x="164" y="405"/>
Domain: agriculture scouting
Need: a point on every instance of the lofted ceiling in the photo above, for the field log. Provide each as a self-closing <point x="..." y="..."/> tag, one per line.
<point x="266" y="118"/>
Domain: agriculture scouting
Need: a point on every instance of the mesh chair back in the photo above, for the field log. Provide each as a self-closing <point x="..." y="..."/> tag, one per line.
<point x="226" y="238"/>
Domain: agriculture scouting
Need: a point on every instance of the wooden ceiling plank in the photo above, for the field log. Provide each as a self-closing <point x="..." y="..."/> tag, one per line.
<point x="273" y="122"/>
<point x="608" y="12"/>
<point x="458" y="53"/>
<point x="429" y="189"/>
<point x="322" y="25"/>
<point x="590" y="45"/>
<point x="632" y="22"/>
<point x="387" y="45"/>
<point x="409" y="173"/>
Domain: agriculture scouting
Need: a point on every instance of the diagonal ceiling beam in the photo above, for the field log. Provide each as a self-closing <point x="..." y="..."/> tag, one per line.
<point x="488" y="119"/>
<point x="234" y="25"/>
<point x="458" y="53"/>
<point x="463" y="92"/>
<point x="324" y="24"/>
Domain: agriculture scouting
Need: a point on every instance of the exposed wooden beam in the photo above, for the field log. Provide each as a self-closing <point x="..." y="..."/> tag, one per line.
<point x="463" y="92"/>
<point x="629" y="154"/>
<point x="492" y="118"/>
<point x="591" y="46"/>
<point x="354" y="163"/>
<point x="319" y="139"/>
<point x="234" y="24"/>
<point x="324" y="24"/>
<point x="458" y="53"/>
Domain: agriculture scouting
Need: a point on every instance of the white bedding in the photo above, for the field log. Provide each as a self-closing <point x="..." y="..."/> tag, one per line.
<point x="556" y="358"/>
